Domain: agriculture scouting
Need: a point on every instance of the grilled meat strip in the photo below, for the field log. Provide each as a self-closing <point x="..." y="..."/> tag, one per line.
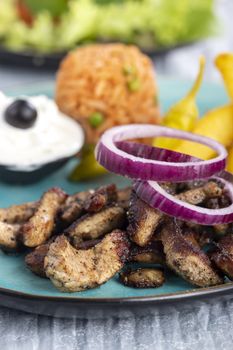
<point x="143" y="219"/>
<point x="101" y="198"/>
<point x="223" y="255"/>
<point x="71" y="212"/>
<point x="35" y="259"/>
<point x="169" y="187"/>
<point x="73" y="208"/>
<point x="72" y="270"/>
<point x="96" y="225"/>
<point x="17" y="214"/>
<point x="215" y="186"/>
<point x="143" y="278"/>
<point x="198" y="195"/>
<point x="187" y="259"/>
<point x="201" y="235"/>
<point x="216" y="203"/>
<point x="150" y="254"/>
<point x="123" y="197"/>
<point x="9" y="236"/>
<point x="40" y="226"/>
<point x="191" y="237"/>
<point x="11" y="220"/>
<point x="91" y="201"/>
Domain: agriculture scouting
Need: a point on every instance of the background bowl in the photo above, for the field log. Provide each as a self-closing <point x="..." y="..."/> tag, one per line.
<point x="51" y="61"/>
<point x="24" y="177"/>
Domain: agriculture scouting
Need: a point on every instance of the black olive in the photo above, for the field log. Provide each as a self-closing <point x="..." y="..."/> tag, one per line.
<point x="21" y="114"/>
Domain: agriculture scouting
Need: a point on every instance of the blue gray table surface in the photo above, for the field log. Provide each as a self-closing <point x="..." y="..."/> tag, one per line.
<point x="203" y="327"/>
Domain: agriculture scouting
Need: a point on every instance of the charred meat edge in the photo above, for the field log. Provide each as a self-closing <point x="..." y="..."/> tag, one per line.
<point x="202" y="234"/>
<point x="143" y="278"/>
<point x="72" y="270"/>
<point x="222" y="256"/>
<point x="150" y="254"/>
<point x="88" y="244"/>
<point x="198" y="234"/>
<point x="216" y="203"/>
<point x="35" y="259"/>
<point x="101" y="197"/>
<point x="186" y="259"/>
<point x="72" y="209"/>
<point x="96" y="225"/>
<point x="40" y="226"/>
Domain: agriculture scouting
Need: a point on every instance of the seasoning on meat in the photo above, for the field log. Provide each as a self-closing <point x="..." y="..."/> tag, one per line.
<point x="198" y="234"/>
<point x="9" y="236"/>
<point x="216" y="203"/>
<point x="143" y="278"/>
<point x="35" y="259"/>
<point x="198" y="195"/>
<point x="143" y="220"/>
<point x="88" y="244"/>
<point x="72" y="209"/>
<point x="17" y="214"/>
<point x="92" y="226"/>
<point x="186" y="259"/>
<point x="100" y="198"/>
<point x="150" y="254"/>
<point x="73" y="270"/>
<point x="223" y="255"/>
<point x="40" y="226"/>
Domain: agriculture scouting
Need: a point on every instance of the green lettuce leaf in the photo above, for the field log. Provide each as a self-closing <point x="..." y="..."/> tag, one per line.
<point x="148" y="23"/>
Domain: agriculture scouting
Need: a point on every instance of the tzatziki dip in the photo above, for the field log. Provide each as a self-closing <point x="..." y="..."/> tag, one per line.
<point x="34" y="132"/>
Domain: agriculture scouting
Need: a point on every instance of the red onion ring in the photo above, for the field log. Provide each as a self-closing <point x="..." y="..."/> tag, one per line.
<point x="143" y="162"/>
<point x="153" y="194"/>
<point x="117" y="160"/>
<point x="148" y="152"/>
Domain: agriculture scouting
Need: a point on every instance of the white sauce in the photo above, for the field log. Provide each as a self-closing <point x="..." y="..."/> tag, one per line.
<point x="53" y="136"/>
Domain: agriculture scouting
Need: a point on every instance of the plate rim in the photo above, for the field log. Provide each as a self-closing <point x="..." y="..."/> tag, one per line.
<point x="168" y="297"/>
<point x="190" y="294"/>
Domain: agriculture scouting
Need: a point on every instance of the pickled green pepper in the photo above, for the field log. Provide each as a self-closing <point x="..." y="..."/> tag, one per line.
<point x="88" y="167"/>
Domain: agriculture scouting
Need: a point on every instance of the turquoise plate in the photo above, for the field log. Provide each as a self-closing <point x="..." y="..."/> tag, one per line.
<point x="20" y="289"/>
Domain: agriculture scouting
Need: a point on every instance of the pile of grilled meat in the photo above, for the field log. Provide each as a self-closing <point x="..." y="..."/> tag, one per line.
<point x="82" y="240"/>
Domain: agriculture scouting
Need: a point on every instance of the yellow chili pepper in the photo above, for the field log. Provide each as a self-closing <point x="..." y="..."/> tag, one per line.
<point x="224" y="63"/>
<point x="230" y="160"/>
<point x="88" y="167"/>
<point x="184" y="114"/>
<point x="216" y="124"/>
